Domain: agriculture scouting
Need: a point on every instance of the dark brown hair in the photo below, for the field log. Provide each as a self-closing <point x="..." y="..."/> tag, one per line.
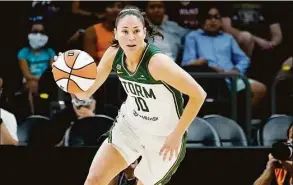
<point x="133" y="10"/>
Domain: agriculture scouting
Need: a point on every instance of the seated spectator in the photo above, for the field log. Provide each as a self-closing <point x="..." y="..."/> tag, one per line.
<point x="210" y="46"/>
<point x="97" y="38"/>
<point x="284" y="89"/>
<point x="99" y="21"/>
<point x="56" y="13"/>
<point x="8" y="125"/>
<point x="252" y="23"/>
<point x="86" y="13"/>
<point x="173" y="33"/>
<point x="255" y="25"/>
<point x="75" y="110"/>
<point x="185" y="13"/>
<point x="278" y="172"/>
<point x="35" y="59"/>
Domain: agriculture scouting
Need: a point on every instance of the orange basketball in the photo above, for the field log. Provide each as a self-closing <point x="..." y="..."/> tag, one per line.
<point x="74" y="71"/>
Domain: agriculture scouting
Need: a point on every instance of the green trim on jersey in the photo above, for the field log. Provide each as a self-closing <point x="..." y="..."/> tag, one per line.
<point x="177" y="97"/>
<point x="141" y="73"/>
<point x="110" y="134"/>
<point x="175" y="166"/>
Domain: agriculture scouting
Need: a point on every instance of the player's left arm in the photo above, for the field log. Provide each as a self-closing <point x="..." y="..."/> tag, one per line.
<point x="165" y="69"/>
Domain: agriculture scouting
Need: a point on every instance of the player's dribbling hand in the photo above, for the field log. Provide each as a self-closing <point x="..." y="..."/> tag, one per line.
<point x="171" y="146"/>
<point x="56" y="57"/>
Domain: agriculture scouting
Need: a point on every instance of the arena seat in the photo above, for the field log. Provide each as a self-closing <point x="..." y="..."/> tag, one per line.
<point x="110" y="110"/>
<point x="230" y="133"/>
<point x="275" y="129"/>
<point x="34" y="131"/>
<point x="89" y="131"/>
<point x="201" y="134"/>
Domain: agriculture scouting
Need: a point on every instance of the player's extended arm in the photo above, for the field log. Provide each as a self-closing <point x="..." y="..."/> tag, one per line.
<point x="103" y="71"/>
<point x="165" y="69"/>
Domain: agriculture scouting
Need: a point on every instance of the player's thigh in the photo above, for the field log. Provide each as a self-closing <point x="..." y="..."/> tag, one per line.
<point x="152" y="169"/>
<point x="106" y="164"/>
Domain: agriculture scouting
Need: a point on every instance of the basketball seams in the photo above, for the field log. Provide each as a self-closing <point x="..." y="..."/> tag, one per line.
<point x="61" y="70"/>
<point x="72" y="69"/>
<point x="84" y="66"/>
<point x="62" y="79"/>
<point x="69" y="80"/>
<point x="74" y="74"/>
<point x="82" y="77"/>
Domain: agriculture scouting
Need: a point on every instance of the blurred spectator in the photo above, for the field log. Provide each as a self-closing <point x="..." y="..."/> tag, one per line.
<point x="8" y="125"/>
<point x="284" y="89"/>
<point x="185" y="13"/>
<point x="86" y="13"/>
<point x="48" y="93"/>
<point x="55" y="13"/>
<point x="255" y="25"/>
<point x="75" y="110"/>
<point x="219" y="51"/>
<point x="278" y="172"/>
<point x="35" y="59"/>
<point x="97" y="38"/>
<point x="173" y="33"/>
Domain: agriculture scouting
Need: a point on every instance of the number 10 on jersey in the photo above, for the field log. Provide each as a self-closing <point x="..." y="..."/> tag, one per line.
<point x="141" y="104"/>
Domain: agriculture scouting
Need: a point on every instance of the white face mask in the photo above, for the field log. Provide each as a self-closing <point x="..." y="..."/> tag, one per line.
<point x="37" y="40"/>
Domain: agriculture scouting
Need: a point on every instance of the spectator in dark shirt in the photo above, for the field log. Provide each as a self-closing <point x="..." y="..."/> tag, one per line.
<point x="185" y="13"/>
<point x="256" y="27"/>
<point x="253" y="24"/>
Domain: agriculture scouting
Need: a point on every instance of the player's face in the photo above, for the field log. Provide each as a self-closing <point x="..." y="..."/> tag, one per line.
<point x="130" y="33"/>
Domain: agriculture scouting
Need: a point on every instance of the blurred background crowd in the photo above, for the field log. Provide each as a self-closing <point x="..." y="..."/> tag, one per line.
<point x="240" y="52"/>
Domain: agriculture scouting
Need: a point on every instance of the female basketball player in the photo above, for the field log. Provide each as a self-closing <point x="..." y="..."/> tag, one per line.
<point x="151" y="122"/>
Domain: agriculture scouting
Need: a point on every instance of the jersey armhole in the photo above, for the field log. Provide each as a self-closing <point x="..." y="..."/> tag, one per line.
<point x="147" y="66"/>
<point x="116" y="58"/>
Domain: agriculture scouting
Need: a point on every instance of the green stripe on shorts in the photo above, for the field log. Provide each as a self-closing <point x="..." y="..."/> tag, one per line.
<point x="110" y="134"/>
<point x="175" y="166"/>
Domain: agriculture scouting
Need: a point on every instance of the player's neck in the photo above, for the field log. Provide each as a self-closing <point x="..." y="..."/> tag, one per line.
<point x="133" y="58"/>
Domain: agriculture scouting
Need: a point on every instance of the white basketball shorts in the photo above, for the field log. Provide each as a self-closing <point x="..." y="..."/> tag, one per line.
<point x="132" y="143"/>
